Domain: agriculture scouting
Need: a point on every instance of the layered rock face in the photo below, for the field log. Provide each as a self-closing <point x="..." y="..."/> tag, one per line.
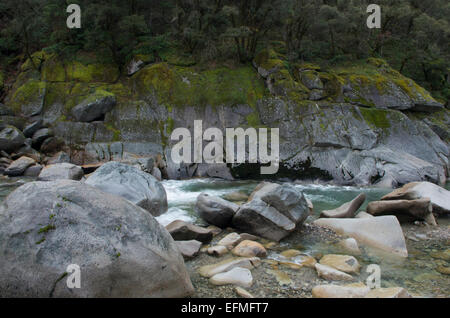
<point x="122" y="251"/>
<point x="338" y="124"/>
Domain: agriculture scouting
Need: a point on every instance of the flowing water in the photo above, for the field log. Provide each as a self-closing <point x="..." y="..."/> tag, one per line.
<point x="428" y="248"/>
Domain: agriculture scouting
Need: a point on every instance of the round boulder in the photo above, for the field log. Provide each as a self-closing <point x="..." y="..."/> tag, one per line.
<point x="132" y="184"/>
<point x="121" y="250"/>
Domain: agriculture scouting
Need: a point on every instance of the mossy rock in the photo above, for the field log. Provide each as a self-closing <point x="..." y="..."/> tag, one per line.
<point x="91" y="73"/>
<point x="376" y="118"/>
<point x="178" y="86"/>
<point x="28" y="99"/>
<point x="38" y="58"/>
<point x="268" y="60"/>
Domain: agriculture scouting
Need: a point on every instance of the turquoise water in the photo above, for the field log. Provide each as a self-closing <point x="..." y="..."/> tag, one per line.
<point x="182" y="195"/>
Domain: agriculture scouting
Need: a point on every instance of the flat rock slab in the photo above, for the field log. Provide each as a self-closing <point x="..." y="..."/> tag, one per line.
<point x="331" y="273"/>
<point x="228" y="264"/>
<point x="335" y="291"/>
<point x="346" y="210"/>
<point x="420" y="209"/>
<point x="440" y="197"/>
<point x="230" y="240"/>
<point x="383" y="232"/>
<point x="183" y="231"/>
<point x="237" y="276"/>
<point x="343" y="263"/>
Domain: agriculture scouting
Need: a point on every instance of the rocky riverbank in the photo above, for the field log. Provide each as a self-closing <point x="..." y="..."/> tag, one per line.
<point x="286" y="250"/>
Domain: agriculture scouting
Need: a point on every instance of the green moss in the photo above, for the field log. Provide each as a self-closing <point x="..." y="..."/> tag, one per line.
<point x="53" y="70"/>
<point x="27" y="94"/>
<point x="268" y="59"/>
<point x="116" y="132"/>
<point x="376" y="118"/>
<point x="377" y="62"/>
<point x="91" y="73"/>
<point x="177" y="86"/>
<point x="38" y="58"/>
<point x="46" y="229"/>
<point x="40" y="241"/>
<point x="253" y="120"/>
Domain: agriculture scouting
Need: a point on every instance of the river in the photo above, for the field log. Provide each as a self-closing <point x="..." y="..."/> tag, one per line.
<point x="428" y="247"/>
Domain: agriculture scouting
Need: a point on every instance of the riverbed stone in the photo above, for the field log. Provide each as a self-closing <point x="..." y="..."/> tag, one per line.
<point x="236" y="196"/>
<point x="243" y="293"/>
<point x="132" y="184"/>
<point x="330" y="273"/>
<point x="18" y="167"/>
<point x="350" y="245"/>
<point x="259" y="218"/>
<point x="189" y="249"/>
<point x="61" y="171"/>
<point x="363" y="214"/>
<point x="33" y="171"/>
<point x="356" y="290"/>
<point x="346" y="210"/>
<point x="236" y="276"/>
<point x="392" y="292"/>
<point x="420" y="209"/>
<point x="230" y="240"/>
<point x="249" y="249"/>
<point x="383" y="232"/>
<point x="183" y="231"/>
<point x="343" y="263"/>
<point x="440" y="197"/>
<point x="215" y="210"/>
<point x="121" y="249"/>
<point x="228" y="264"/>
<point x="11" y="139"/>
<point x="217" y="250"/>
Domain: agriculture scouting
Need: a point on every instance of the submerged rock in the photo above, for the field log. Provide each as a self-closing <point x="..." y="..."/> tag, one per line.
<point x="350" y="245"/>
<point x="346" y="210"/>
<point x="330" y="273"/>
<point x="383" y="232"/>
<point x="183" y="231"/>
<point x="121" y="249"/>
<point x="131" y="183"/>
<point x="440" y="197"/>
<point x="416" y="209"/>
<point x="344" y="263"/>
<point x="61" y="171"/>
<point x="215" y="210"/>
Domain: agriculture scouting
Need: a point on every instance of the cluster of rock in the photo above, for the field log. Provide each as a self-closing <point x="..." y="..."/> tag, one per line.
<point x="272" y="211"/>
<point x="379" y="227"/>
